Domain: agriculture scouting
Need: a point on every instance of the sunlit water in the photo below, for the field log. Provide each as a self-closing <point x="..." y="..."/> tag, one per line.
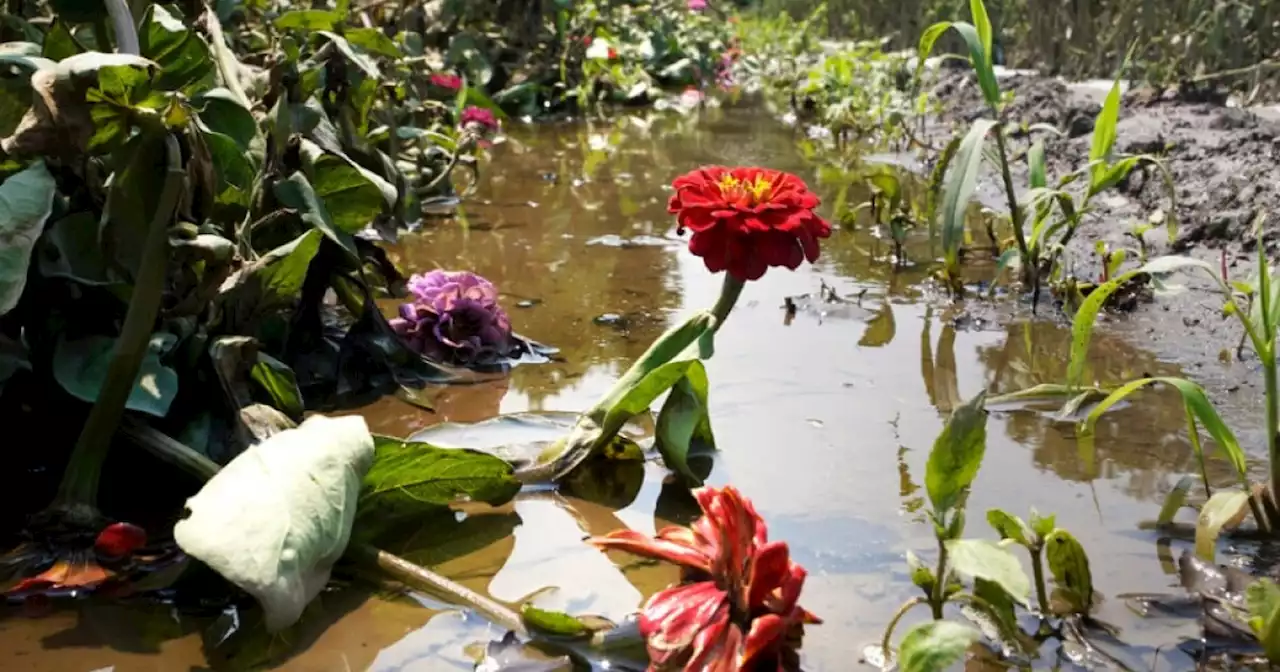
<point x="824" y="419"/>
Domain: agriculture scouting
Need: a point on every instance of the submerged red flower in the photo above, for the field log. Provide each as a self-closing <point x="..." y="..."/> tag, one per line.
<point x="745" y="220"/>
<point x="737" y="607"/>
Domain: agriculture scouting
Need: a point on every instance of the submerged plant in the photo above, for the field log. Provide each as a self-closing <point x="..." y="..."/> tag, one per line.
<point x="736" y="607"/>
<point x="454" y="317"/>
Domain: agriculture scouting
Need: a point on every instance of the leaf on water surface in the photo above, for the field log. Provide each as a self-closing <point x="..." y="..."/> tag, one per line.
<point x="276" y="518"/>
<point x="1225" y="510"/>
<point x="684" y="423"/>
<point x="410" y="476"/>
<point x="26" y="200"/>
<point x="934" y="646"/>
<point x="81" y="367"/>
<point x="183" y="56"/>
<point x="957" y="454"/>
<point x="554" y="623"/>
<point x="1012" y="527"/>
<point x="1069" y="565"/>
<point x="977" y="558"/>
<point x="961" y="180"/>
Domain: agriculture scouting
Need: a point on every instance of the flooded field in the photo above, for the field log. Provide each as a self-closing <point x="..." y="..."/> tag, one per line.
<point x="823" y="415"/>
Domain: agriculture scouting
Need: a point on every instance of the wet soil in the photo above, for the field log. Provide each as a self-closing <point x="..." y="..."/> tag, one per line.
<point x="1225" y="163"/>
<point x="824" y="417"/>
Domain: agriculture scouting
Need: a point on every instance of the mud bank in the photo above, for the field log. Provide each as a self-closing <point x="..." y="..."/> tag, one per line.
<point x="1225" y="169"/>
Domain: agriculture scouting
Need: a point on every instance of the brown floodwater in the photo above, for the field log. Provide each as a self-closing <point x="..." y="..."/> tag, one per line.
<point x="823" y="418"/>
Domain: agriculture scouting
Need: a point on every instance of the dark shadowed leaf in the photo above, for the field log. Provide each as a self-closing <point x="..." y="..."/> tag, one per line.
<point x="1224" y="510"/>
<point x="71" y="250"/>
<point x="80" y="11"/>
<point x="132" y="200"/>
<point x="58" y="43"/>
<point x="957" y="454"/>
<point x="221" y="113"/>
<point x="1001" y="613"/>
<point x="934" y="646"/>
<point x="278" y="381"/>
<point x="977" y="558"/>
<point x="273" y="281"/>
<point x="183" y="56"/>
<point x="411" y="474"/>
<point x="26" y="200"/>
<point x="80" y="366"/>
<point x="1070" y="567"/>
<point x="297" y="193"/>
<point x="685" y="422"/>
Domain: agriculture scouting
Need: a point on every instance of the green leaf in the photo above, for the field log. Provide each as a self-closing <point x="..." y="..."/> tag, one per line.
<point x="957" y="454"/>
<point x="308" y="20"/>
<point x="132" y="200"/>
<point x="374" y="41"/>
<point x="1042" y="525"/>
<point x="685" y="421"/>
<point x="555" y="623"/>
<point x="352" y="194"/>
<point x="183" y="56"/>
<point x="1038" y="177"/>
<point x="1263" y="600"/>
<point x="980" y="58"/>
<point x="271" y="282"/>
<point x="222" y="113"/>
<point x="1176" y="499"/>
<point x="297" y="194"/>
<point x="71" y="250"/>
<point x="352" y="54"/>
<point x="1104" y="135"/>
<point x="1001" y="610"/>
<point x="1012" y="527"/>
<point x="1070" y="567"/>
<point x="81" y="367"/>
<point x="981" y="559"/>
<point x="927" y="40"/>
<point x="26" y="200"/>
<point x="408" y="476"/>
<point x="1196" y="403"/>
<point x="978" y="12"/>
<point x="278" y="380"/>
<point x="934" y="646"/>
<point x="279" y="515"/>
<point x="961" y="180"/>
<point x="58" y="43"/>
<point x="921" y="575"/>
<point x="1225" y="510"/>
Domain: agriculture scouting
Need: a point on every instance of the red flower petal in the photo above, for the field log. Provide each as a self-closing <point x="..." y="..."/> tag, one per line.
<point x="120" y="539"/>
<point x="767" y="633"/>
<point x="672" y="549"/>
<point x="674" y="618"/>
<point x="769" y="569"/>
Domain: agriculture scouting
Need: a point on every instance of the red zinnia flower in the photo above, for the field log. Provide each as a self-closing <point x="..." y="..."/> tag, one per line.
<point x="738" y="604"/>
<point x="613" y="53"/>
<point x="447" y="81"/>
<point x="479" y="119"/>
<point x="745" y="220"/>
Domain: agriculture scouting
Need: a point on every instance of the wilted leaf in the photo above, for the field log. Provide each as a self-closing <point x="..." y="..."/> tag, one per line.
<point x="183" y="56"/>
<point x="957" y="454"/>
<point x="408" y="475"/>
<point x="1070" y="567"/>
<point x="976" y="558"/>
<point x="277" y="517"/>
<point x="934" y="646"/>
<point x="26" y="199"/>
<point x="353" y="56"/>
<point x="511" y="655"/>
<point x="1225" y="510"/>
<point x="684" y="422"/>
<point x="277" y="379"/>
<point x="81" y="366"/>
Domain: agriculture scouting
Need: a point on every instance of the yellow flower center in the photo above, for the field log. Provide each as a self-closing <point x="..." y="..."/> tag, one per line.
<point x="753" y="192"/>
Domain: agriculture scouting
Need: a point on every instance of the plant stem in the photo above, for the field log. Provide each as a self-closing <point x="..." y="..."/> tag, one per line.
<point x="938" y="598"/>
<point x="887" y="640"/>
<point x="1029" y="265"/>
<point x="122" y="22"/>
<point x="80" y="482"/>
<point x="1037" y="570"/>
<point x="1272" y="398"/>
<point x="729" y="293"/>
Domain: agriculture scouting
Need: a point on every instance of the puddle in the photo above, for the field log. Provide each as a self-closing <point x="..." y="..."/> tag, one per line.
<point x="824" y="417"/>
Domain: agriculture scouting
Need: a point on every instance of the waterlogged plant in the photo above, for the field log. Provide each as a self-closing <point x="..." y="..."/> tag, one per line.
<point x="1045" y="218"/>
<point x="985" y="578"/>
<point x="890" y="209"/>
<point x="736" y="607"/>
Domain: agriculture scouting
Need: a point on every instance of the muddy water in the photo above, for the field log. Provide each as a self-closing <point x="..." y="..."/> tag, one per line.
<point x="824" y="418"/>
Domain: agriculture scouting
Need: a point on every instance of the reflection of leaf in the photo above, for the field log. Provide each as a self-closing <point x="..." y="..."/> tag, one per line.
<point x="81" y="368"/>
<point x="431" y="539"/>
<point x="957" y="454"/>
<point x="26" y="199"/>
<point x="276" y="518"/>
<point x="511" y="655"/>
<point x="934" y="646"/>
<point x="880" y="330"/>
<point x="978" y="558"/>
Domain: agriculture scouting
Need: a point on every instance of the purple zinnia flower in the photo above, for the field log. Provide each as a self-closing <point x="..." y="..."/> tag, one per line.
<point x="478" y="119"/>
<point x="454" y="317"/>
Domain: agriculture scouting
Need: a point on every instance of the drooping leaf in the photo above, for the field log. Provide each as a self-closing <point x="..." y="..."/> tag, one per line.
<point x="556" y="623"/>
<point x="978" y="558"/>
<point x="297" y="193"/>
<point x="957" y="454"/>
<point x="183" y="56"/>
<point x="927" y="40"/>
<point x="685" y="421"/>
<point x="279" y="515"/>
<point x="279" y="382"/>
<point x="71" y="250"/>
<point x="308" y="20"/>
<point x="1224" y="510"/>
<point x="934" y="646"/>
<point x="1001" y="610"/>
<point x="982" y="24"/>
<point x="409" y="475"/>
<point x="222" y="113"/>
<point x="273" y="281"/>
<point x="961" y="180"/>
<point x="352" y="194"/>
<point x="1070" y="567"/>
<point x="1012" y="527"/>
<point x="81" y="367"/>
<point x="26" y="200"/>
<point x="1175" y="500"/>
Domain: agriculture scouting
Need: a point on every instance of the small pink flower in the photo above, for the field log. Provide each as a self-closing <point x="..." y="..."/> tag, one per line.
<point x="478" y="119"/>
<point x="697" y="5"/>
<point x="446" y="81"/>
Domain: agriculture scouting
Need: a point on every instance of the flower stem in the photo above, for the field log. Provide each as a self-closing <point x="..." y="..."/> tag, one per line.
<point x="1037" y="569"/>
<point x="729" y="293"/>
<point x="938" y="598"/>
<point x="887" y="640"/>
<point x="79" y="486"/>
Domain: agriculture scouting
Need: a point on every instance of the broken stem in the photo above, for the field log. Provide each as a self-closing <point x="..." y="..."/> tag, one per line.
<point x="79" y="486"/>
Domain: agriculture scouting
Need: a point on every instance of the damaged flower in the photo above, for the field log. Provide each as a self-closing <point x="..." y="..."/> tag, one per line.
<point x="454" y="317"/>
